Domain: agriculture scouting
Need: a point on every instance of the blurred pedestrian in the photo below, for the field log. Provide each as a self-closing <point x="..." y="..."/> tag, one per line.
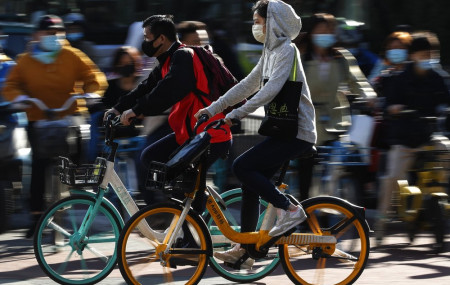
<point x="421" y="91"/>
<point x="5" y="62"/>
<point x="75" y="34"/>
<point x="49" y="71"/>
<point x="394" y="55"/>
<point x="332" y="73"/>
<point x="126" y="67"/>
<point x="350" y="35"/>
<point x="193" y="33"/>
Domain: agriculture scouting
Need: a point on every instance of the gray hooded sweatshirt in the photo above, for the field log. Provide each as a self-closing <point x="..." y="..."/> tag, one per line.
<point x="275" y="64"/>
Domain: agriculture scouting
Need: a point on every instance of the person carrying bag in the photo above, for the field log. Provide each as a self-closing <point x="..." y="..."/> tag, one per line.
<point x="289" y="125"/>
<point x="281" y="114"/>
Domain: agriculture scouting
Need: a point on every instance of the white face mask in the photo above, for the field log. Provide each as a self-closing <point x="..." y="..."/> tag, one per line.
<point x="258" y="33"/>
<point x="50" y="43"/>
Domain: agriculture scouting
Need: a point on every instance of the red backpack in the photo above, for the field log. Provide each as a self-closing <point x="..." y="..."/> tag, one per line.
<point x="220" y="79"/>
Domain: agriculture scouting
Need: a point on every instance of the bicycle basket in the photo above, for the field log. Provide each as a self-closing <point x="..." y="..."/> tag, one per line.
<point x="83" y="175"/>
<point x="158" y="179"/>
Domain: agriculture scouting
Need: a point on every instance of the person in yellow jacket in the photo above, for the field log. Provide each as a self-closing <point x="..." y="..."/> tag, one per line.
<point x="51" y="70"/>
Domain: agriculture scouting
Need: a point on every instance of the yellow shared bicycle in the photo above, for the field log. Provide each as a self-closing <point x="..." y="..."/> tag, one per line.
<point x="330" y="247"/>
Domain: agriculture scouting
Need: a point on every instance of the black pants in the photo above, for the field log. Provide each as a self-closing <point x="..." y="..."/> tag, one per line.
<point x="255" y="168"/>
<point x="163" y="148"/>
<point x="39" y="165"/>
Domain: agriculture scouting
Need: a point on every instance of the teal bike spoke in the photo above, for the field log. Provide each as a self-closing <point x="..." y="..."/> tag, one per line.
<point x="63" y="266"/>
<point x="97" y="253"/>
<point x="83" y="263"/>
<point x="59" y="229"/>
<point x="73" y="221"/>
<point x="101" y="240"/>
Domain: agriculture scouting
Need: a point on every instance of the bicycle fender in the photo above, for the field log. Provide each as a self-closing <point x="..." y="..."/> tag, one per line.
<point x="357" y="210"/>
<point x="106" y="203"/>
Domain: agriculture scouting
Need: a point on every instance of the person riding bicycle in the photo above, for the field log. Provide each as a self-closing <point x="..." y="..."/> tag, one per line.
<point x="419" y="88"/>
<point x="51" y="70"/>
<point x="275" y="24"/>
<point x="171" y="84"/>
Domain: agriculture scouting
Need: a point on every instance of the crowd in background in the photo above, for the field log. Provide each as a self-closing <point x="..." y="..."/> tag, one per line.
<point x="339" y="69"/>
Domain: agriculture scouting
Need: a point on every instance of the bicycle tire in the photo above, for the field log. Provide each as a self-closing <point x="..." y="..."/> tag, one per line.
<point x="347" y="262"/>
<point x="138" y="258"/>
<point x="59" y="259"/>
<point x="262" y="267"/>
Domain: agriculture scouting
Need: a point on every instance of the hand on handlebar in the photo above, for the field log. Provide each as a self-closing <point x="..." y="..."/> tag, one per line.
<point x="202" y="112"/>
<point x="110" y="111"/>
<point x="395" y="109"/>
<point x="228" y="121"/>
<point x="127" y="117"/>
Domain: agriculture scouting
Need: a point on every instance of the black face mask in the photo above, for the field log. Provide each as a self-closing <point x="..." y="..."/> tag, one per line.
<point x="126" y="70"/>
<point x="148" y="49"/>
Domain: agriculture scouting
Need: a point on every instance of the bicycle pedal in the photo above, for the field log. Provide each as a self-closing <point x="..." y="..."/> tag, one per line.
<point x="232" y="265"/>
<point x="176" y="261"/>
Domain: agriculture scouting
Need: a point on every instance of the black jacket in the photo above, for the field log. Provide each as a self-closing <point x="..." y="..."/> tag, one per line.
<point x="156" y="94"/>
<point x="421" y="95"/>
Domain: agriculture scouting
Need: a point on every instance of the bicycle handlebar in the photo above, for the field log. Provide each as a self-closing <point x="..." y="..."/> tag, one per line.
<point x="42" y="106"/>
<point x="214" y="124"/>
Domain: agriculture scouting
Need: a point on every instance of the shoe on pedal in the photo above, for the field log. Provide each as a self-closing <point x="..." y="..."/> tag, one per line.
<point x="233" y="255"/>
<point x="286" y="220"/>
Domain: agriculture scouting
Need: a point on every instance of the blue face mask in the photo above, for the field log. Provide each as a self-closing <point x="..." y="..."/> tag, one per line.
<point x="396" y="56"/>
<point x="73" y="37"/>
<point x="324" y="40"/>
<point x="50" y="43"/>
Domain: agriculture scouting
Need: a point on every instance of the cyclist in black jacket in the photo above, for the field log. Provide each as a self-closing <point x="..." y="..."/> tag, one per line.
<point x="420" y="87"/>
<point x="171" y="85"/>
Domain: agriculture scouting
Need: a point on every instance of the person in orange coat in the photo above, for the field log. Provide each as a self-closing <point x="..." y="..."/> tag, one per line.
<point x="51" y="70"/>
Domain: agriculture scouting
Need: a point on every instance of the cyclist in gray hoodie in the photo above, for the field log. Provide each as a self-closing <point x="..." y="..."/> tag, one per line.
<point x="275" y="24"/>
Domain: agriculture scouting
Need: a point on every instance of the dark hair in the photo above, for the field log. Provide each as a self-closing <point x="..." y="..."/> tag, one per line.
<point x="423" y="41"/>
<point x="260" y="7"/>
<point x="161" y="25"/>
<point x="131" y="52"/>
<point x="189" y="27"/>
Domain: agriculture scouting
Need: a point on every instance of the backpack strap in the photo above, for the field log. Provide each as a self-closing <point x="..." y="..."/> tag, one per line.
<point x="199" y="93"/>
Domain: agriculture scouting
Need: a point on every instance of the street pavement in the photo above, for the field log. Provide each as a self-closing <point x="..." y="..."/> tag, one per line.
<point x="394" y="262"/>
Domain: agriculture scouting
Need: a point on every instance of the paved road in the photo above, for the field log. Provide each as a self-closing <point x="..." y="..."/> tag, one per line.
<point x="395" y="262"/>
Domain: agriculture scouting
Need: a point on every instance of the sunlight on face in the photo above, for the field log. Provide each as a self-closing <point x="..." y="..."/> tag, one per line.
<point x="258" y="20"/>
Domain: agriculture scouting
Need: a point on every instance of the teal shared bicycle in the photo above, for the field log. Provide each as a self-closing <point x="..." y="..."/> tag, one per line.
<point x="75" y="239"/>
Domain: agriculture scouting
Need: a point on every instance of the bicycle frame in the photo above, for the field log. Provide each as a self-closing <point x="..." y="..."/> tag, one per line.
<point x="262" y="237"/>
<point x="127" y="201"/>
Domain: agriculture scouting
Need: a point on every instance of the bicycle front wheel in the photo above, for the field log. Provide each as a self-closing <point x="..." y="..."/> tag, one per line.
<point x="262" y="266"/>
<point x="311" y="264"/>
<point x="66" y="256"/>
<point x="141" y="261"/>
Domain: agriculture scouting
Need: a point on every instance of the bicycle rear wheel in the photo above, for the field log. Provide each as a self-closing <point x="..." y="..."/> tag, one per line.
<point x="141" y="262"/>
<point x="63" y="255"/>
<point x="309" y="264"/>
<point x="262" y="267"/>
